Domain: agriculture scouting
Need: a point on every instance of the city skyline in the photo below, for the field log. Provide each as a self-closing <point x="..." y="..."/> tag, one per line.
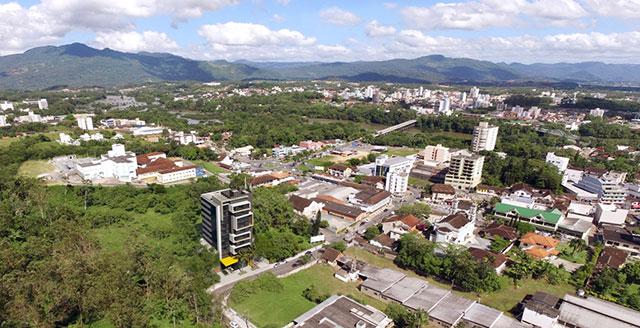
<point x="524" y="31"/>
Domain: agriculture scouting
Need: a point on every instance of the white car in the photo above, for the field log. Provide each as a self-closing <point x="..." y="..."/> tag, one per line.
<point x="233" y="324"/>
<point x="367" y="220"/>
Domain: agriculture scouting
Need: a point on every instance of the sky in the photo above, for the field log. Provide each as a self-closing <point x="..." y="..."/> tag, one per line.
<point x="525" y="31"/>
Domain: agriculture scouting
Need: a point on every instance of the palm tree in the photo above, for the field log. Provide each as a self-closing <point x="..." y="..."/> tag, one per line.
<point x="247" y="254"/>
<point x="577" y="244"/>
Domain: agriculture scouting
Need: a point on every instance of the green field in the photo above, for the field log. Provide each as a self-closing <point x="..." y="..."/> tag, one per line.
<point x="211" y="167"/>
<point x="31" y="169"/>
<point x="419" y="182"/>
<point x="269" y="165"/>
<point x="268" y="308"/>
<point x="401" y="151"/>
<point x="322" y="161"/>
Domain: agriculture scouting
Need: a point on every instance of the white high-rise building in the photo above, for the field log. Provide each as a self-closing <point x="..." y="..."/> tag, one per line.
<point x="3" y="120"/>
<point x="597" y="112"/>
<point x="436" y="155"/>
<point x="43" y="104"/>
<point x="368" y="92"/>
<point x="463" y="97"/>
<point x="85" y="122"/>
<point x="558" y="161"/>
<point x="396" y="171"/>
<point x="484" y="137"/>
<point x="445" y="107"/>
<point x="474" y="92"/>
<point x="465" y="171"/>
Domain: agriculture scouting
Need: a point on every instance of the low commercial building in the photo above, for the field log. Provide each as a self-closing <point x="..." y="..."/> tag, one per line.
<point x="541" y="310"/>
<point x="542" y="219"/>
<point x="622" y="239"/>
<point x="448" y="312"/>
<point x="399" y="225"/>
<point x="587" y="312"/>
<point x="342" y="311"/>
<point x="340" y="170"/>
<point x="608" y="214"/>
<point x="117" y="163"/>
<point x="305" y="207"/>
<point x="576" y="226"/>
<point x="442" y="192"/>
<point x="558" y="161"/>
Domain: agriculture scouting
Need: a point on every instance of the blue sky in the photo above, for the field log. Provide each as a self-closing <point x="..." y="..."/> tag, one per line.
<point x="304" y="30"/>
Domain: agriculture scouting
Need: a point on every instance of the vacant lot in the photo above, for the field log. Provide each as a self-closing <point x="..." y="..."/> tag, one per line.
<point x="211" y="167"/>
<point x="267" y="308"/>
<point x="32" y="169"/>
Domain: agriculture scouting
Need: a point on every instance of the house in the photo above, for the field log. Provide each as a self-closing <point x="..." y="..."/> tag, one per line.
<point x="442" y="192"/>
<point x="455" y="228"/>
<point x="340" y="210"/>
<point x="541" y="310"/>
<point x="609" y="214"/>
<point x="490" y="190"/>
<point x="576" y="226"/>
<point x="342" y="311"/>
<point x="621" y="238"/>
<point x="496" y="260"/>
<point x="611" y="257"/>
<point x="331" y="255"/>
<point x="399" y="225"/>
<point x="521" y="190"/>
<point x="373" y="181"/>
<point x="383" y="241"/>
<point x="539" y="246"/>
<point x="503" y="231"/>
<point x="340" y="170"/>
<point x="305" y="207"/>
<point x="544" y="219"/>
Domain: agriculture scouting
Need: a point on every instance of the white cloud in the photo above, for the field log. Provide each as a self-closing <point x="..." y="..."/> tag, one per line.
<point x="254" y="35"/>
<point x="277" y="17"/>
<point x="136" y="42"/>
<point x="627" y="9"/>
<point x="481" y="14"/>
<point x="335" y="15"/>
<point x="283" y="2"/>
<point x="390" y="5"/>
<point x="375" y="29"/>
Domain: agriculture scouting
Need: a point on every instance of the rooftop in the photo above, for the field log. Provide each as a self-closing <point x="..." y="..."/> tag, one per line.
<point x="426" y="298"/>
<point x="533" y="238"/>
<point x="594" y="312"/>
<point x="405" y="288"/>
<point x="549" y="216"/>
<point x="380" y="279"/>
<point x="443" y="189"/>
<point x="451" y="308"/>
<point x="455" y="220"/>
<point x="341" y="311"/>
<point x="482" y="315"/>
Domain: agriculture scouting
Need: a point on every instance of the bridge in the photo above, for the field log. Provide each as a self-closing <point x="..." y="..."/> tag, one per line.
<point x="402" y="126"/>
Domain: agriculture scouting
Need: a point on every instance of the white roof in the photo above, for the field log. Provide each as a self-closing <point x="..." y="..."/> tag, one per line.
<point x="594" y="312"/>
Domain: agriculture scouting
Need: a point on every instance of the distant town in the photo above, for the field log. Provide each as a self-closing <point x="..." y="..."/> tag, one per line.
<point x="337" y="204"/>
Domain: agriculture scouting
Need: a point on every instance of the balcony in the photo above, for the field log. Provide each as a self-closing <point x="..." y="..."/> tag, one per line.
<point x="242" y="217"/>
<point x="240" y="238"/>
<point x="240" y="207"/>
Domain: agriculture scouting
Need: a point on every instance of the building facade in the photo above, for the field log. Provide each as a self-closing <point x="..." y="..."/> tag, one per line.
<point x="227" y="222"/>
<point x="465" y="171"/>
<point x="436" y="155"/>
<point x="396" y="171"/>
<point x="484" y="137"/>
<point x="558" y="161"/>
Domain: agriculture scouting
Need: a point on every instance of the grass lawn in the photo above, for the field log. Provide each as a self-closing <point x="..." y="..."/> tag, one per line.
<point x="401" y="151"/>
<point x="32" y="169"/>
<point x="509" y="296"/>
<point x="211" y="167"/>
<point x="322" y="161"/>
<point x="304" y="168"/>
<point x="269" y="165"/>
<point x="579" y="257"/>
<point x="419" y="182"/>
<point x="6" y="142"/>
<point x="265" y="308"/>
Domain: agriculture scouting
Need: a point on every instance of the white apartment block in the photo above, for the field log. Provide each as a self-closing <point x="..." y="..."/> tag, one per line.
<point x="396" y="171"/>
<point x="85" y="122"/>
<point x="597" y="112"/>
<point x="3" y="120"/>
<point x="608" y="186"/>
<point x="178" y="174"/>
<point x="484" y="137"/>
<point x="43" y="104"/>
<point x="465" y="171"/>
<point x="558" y="161"/>
<point x="436" y="155"/>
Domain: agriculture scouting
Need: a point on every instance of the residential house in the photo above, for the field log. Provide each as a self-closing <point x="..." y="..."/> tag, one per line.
<point x="498" y="261"/>
<point x="305" y="207"/>
<point x="611" y="257"/>
<point x="373" y="181"/>
<point x="331" y="255"/>
<point x="503" y="231"/>
<point x="539" y="246"/>
<point x="622" y="239"/>
<point x="340" y="170"/>
<point x="541" y="310"/>
<point x="455" y="229"/>
<point x="383" y="241"/>
<point x="399" y="225"/>
<point x="442" y="192"/>
<point x="490" y="190"/>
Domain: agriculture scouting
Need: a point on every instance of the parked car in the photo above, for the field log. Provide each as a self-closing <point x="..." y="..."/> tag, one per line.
<point x="233" y="324"/>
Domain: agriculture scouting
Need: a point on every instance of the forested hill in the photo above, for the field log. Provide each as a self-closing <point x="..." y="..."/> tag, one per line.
<point x="78" y="65"/>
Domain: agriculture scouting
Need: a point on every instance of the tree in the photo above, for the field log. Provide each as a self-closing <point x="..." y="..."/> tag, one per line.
<point x="247" y="254"/>
<point x="338" y="246"/>
<point x="315" y="227"/>
<point x="371" y="232"/>
<point x="498" y="244"/>
<point x="420" y="210"/>
<point x="577" y="245"/>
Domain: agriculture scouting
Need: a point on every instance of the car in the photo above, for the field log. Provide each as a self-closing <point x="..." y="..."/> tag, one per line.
<point x="307" y="253"/>
<point x="386" y="210"/>
<point x="367" y="220"/>
<point x="277" y="264"/>
<point x="233" y="324"/>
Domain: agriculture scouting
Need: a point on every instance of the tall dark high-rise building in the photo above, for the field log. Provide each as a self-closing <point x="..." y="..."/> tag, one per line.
<point x="227" y="222"/>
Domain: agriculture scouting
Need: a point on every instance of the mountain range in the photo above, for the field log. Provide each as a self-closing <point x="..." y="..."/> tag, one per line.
<point x="78" y="65"/>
